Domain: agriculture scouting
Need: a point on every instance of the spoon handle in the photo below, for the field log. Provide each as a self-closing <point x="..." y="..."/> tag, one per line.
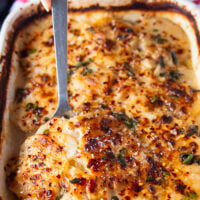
<point x="59" y="12"/>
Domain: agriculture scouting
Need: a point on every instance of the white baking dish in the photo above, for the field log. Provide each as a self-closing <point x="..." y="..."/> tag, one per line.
<point x="10" y="143"/>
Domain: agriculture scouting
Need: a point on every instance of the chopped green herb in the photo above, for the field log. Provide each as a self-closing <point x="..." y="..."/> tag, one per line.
<point x="104" y="158"/>
<point x="37" y="115"/>
<point x="35" y="158"/>
<point x="91" y="59"/>
<point x="46" y="131"/>
<point x="161" y="61"/>
<point x="42" y="164"/>
<point x="187" y="158"/>
<point x="129" y="30"/>
<point x="162" y="74"/>
<point x="131" y="123"/>
<point x="174" y="97"/>
<point x="120" y="157"/>
<point x="121" y="37"/>
<point x="166" y="173"/>
<point x="191" y="196"/>
<point x="69" y="93"/>
<point x="181" y="131"/>
<point x="174" y="75"/>
<point x="155" y="30"/>
<point x="35" y="106"/>
<point x="153" y="99"/>
<point x="90" y="71"/>
<point x="149" y="179"/>
<point x="122" y="151"/>
<point x="159" y="39"/>
<point x="193" y="130"/>
<point x="128" y="68"/>
<point x="82" y="63"/>
<point x="121" y="116"/>
<point x="174" y="57"/>
<point x="69" y="75"/>
<point x="84" y="73"/>
<point x="75" y="180"/>
<point x="46" y="119"/>
<point x="29" y="106"/>
<point x="121" y="160"/>
<point x="109" y="155"/>
<point x="31" y="51"/>
<point x="91" y="29"/>
<point x="114" y="198"/>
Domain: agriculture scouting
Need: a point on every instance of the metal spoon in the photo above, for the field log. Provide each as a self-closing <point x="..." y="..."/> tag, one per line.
<point x="60" y="13"/>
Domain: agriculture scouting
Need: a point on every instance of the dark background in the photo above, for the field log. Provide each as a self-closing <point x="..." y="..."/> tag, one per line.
<point x="4" y="9"/>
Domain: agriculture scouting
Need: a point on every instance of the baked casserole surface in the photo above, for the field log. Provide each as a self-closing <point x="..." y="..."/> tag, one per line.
<point x="134" y="89"/>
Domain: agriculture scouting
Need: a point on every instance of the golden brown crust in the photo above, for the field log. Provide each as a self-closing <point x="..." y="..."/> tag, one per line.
<point x="130" y="74"/>
<point x="10" y="149"/>
<point x="97" y="74"/>
<point x="99" y="155"/>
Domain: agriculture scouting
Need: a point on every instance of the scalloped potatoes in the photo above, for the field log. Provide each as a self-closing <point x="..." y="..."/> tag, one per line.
<point x="132" y="83"/>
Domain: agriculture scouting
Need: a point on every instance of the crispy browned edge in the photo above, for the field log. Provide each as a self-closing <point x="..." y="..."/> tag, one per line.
<point x="20" y="23"/>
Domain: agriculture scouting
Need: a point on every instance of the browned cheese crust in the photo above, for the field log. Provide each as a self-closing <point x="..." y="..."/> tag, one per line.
<point x="132" y="84"/>
<point x="108" y="156"/>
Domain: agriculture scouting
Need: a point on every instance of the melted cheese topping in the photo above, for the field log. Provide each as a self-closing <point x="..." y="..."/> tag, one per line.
<point x="131" y="80"/>
<point x="100" y="156"/>
<point x="113" y="62"/>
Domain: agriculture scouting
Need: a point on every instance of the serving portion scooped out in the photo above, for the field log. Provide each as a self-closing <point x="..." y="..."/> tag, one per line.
<point x="133" y="85"/>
